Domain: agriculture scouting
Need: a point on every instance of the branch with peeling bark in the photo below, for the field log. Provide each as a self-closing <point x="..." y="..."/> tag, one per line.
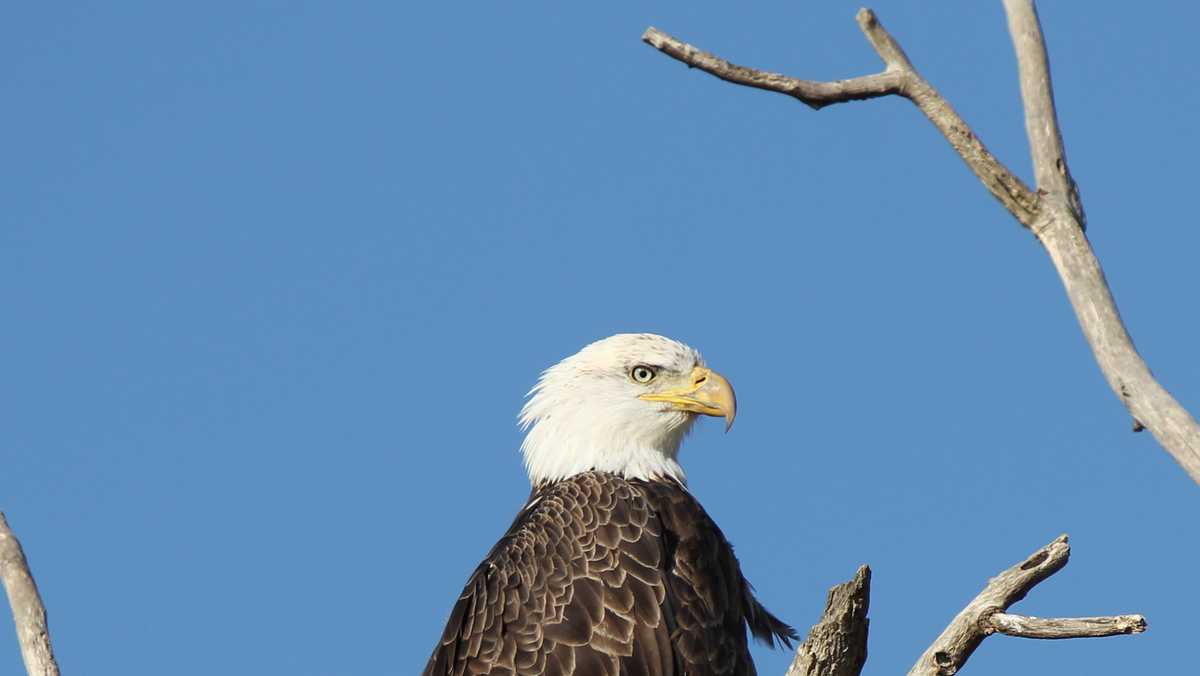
<point x="29" y="615"/>
<point x="1053" y="212"/>
<point x="985" y="615"/>
<point x="1023" y="626"/>
<point x="837" y="644"/>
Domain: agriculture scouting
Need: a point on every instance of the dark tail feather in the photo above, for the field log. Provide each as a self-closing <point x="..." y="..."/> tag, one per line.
<point x="766" y="627"/>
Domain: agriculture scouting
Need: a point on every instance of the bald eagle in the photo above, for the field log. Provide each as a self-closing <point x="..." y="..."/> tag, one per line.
<point x="612" y="567"/>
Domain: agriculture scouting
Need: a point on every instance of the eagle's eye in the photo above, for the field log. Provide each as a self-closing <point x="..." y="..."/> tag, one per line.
<point x="642" y="373"/>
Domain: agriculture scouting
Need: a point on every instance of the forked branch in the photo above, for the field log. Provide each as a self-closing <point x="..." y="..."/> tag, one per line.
<point x="837" y="644"/>
<point x="898" y="78"/>
<point x="1053" y="212"/>
<point x="985" y="615"/>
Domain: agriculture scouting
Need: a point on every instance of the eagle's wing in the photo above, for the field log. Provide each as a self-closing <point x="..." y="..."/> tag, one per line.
<point x="576" y="586"/>
<point x="711" y="603"/>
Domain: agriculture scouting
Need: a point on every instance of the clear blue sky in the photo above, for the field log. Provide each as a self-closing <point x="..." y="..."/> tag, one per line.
<point x="276" y="276"/>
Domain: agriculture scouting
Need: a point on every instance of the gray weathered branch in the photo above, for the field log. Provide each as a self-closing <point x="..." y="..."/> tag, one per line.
<point x="815" y="95"/>
<point x="1060" y="228"/>
<point x="837" y="644"/>
<point x="1041" y="120"/>
<point x="899" y="78"/>
<point x="1023" y="626"/>
<point x="29" y="614"/>
<point x="1054" y="212"/>
<point x="985" y="615"/>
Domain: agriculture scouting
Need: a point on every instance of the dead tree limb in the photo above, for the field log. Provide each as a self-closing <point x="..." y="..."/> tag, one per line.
<point x="29" y="614"/>
<point x="985" y="615"/>
<point x="1053" y="212"/>
<point x="898" y="78"/>
<point x="837" y="644"/>
<point x="1023" y="626"/>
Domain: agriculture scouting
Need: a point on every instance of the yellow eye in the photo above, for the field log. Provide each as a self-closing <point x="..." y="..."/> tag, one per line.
<point x="642" y="373"/>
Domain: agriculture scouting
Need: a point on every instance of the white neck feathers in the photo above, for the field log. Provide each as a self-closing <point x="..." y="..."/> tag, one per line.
<point x="555" y="449"/>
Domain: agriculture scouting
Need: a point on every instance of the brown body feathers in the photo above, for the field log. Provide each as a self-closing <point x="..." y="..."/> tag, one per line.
<point x="605" y="576"/>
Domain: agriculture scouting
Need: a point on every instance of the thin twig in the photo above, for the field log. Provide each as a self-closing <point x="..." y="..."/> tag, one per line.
<point x="984" y="615"/>
<point x="1024" y="626"/>
<point x="1053" y="212"/>
<point x="837" y="644"/>
<point x="29" y="614"/>
<point x="815" y="95"/>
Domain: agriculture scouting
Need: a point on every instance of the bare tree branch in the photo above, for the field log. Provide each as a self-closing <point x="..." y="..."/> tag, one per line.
<point x="815" y="95"/>
<point x="1054" y="212"/>
<point x="899" y="77"/>
<point x="985" y="615"/>
<point x="1041" y="120"/>
<point x="837" y="644"/>
<point x="1023" y="626"/>
<point x="1060" y="229"/>
<point x="29" y="614"/>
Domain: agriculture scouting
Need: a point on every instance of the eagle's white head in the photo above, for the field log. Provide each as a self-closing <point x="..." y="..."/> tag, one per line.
<point x="620" y="405"/>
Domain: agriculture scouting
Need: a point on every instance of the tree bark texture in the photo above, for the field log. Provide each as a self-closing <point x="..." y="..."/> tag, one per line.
<point x="985" y="615"/>
<point x="29" y="614"/>
<point x="837" y="644"/>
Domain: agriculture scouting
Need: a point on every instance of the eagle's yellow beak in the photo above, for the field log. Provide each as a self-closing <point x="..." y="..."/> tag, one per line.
<point x="709" y="393"/>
